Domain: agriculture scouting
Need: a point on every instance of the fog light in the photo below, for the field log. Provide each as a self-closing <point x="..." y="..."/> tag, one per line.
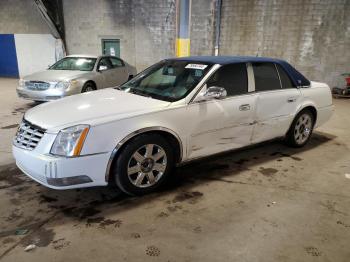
<point x="68" y="181"/>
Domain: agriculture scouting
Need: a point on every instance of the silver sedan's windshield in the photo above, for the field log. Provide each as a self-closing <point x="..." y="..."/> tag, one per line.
<point x="75" y="63"/>
<point x="169" y="80"/>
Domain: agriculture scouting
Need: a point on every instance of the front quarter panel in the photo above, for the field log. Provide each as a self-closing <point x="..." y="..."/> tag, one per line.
<point x="105" y="137"/>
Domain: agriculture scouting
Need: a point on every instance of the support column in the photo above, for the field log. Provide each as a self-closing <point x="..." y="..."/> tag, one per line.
<point x="183" y="19"/>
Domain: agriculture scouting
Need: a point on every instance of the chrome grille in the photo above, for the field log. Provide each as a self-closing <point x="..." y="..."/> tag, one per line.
<point x="37" y="85"/>
<point x="28" y="135"/>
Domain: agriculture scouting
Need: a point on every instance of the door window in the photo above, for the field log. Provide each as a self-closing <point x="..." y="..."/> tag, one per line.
<point x="105" y="62"/>
<point x="232" y="77"/>
<point x="266" y="77"/>
<point x="116" y="62"/>
<point x="285" y="79"/>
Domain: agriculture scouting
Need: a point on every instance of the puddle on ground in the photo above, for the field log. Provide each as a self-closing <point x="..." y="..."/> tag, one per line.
<point x="10" y="176"/>
<point x="41" y="238"/>
<point x="268" y="171"/>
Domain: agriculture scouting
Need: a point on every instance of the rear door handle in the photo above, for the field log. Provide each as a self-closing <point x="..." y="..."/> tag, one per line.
<point x="291" y="100"/>
<point x="244" y="107"/>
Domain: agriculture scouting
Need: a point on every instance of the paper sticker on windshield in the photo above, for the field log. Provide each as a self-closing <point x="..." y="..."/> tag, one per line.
<point x="196" y="66"/>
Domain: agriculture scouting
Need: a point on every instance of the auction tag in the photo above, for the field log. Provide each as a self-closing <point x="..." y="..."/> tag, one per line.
<point x="196" y="66"/>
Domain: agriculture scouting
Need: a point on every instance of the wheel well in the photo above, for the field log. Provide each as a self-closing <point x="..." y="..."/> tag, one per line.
<point x="313" y="112"/>
<point x="174" y="142"/>
<point x="92" y="82"/>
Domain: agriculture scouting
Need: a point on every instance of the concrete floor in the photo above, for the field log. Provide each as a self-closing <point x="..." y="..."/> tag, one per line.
<point x="267" y="203"/>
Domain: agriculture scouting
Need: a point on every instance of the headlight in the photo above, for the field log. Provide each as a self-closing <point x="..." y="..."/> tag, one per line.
<point x="62" y="85"/>
<point x="69" y="141"/>
<point x="21" y="83"/>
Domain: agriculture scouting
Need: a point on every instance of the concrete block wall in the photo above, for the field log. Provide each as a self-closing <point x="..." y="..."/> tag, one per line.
<point x="202" y="31"/>
<point x="21" y="17"/>
<point x="146" y="29"/>
<point x="313" y="35"/>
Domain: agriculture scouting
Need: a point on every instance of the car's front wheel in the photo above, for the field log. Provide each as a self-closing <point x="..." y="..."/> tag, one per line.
<point x="301" y="129"/>
<point x="144" y="164"/>
<point x="88" y="87"/>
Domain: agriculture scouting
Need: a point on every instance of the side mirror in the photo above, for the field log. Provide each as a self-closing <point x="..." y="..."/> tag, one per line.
<point x="213" y="92"/>
<point x="102" y="68"/>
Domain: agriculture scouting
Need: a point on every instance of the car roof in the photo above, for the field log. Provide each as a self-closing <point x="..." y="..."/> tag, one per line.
<point x="222" y="60"/>
<point x="297" y="78"/>
<point x="83" y="55"/>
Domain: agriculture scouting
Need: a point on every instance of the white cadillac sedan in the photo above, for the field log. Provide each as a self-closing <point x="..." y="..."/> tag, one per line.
<point x="175" y="111"/>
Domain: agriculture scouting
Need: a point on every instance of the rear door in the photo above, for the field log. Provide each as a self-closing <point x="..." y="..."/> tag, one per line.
<point x="119" y="71"/>
<point x="277" y="101"/>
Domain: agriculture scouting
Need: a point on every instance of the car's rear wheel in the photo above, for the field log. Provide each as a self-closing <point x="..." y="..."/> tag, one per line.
<point x="88" y="87"/>
<point x="144" y="164"/>
<point x="301" y="129"/>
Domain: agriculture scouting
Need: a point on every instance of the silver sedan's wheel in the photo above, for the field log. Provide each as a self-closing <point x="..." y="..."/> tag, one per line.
<point x="89" y="89"/>
<point x="147" y="165"/>
<point x="303" y="128"/>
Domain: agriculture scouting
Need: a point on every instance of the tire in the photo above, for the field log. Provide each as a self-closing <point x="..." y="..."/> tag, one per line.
<point x="301" y="129"/>
<point x="88" y="87"/>
<point x="144" y="164"/>
<point x="130" y="77"/>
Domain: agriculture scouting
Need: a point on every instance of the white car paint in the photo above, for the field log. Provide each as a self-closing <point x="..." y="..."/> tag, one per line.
<point x="202" y="128"/>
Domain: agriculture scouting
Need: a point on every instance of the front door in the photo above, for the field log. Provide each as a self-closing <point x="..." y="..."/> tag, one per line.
<point x="277" y="101"/>
<point x="111" y="47"/>
<point x="106" y="75"/>
<point x="221" y="125"/>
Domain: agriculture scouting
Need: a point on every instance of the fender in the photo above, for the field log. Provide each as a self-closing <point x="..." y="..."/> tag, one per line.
<point x="135" y="133"/>
<point x="305" y="104"/>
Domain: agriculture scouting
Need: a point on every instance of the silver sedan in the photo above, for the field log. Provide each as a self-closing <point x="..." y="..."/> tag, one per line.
<point x="73" y="75"/>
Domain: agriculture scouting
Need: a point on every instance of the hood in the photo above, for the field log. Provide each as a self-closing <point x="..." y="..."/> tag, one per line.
<point x="55" y="75"/>
<point x="91" y="108"/>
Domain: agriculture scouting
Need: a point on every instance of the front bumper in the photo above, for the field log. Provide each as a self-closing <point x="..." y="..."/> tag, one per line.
<point x="60" y="172"/>
<point x="44" y="95"/>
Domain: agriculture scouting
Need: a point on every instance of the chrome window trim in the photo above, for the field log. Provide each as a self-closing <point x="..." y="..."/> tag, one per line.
<point x="135" y="133"/>
<point x="251" y="79"/>
<point x="279" y="77"/>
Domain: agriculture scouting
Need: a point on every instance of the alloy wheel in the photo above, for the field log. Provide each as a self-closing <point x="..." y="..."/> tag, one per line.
<point x="303" y="128"/>
<point x="147" y="165"/>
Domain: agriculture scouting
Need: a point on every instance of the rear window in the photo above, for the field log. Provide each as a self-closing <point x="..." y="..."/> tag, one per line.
<point x="285" y="79"/>
<point x="266" y="77"/>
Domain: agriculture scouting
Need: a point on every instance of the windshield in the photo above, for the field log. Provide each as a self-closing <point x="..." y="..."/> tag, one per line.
<point x="75" y="63"/>
<point x="169" y="80"/>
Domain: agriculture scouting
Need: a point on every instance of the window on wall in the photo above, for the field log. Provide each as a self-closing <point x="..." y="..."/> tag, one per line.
<point x="285" y="79"/>
<point x="266" y="77"/>
<point x="111" y="47"/>
<point x="232" y="77"/>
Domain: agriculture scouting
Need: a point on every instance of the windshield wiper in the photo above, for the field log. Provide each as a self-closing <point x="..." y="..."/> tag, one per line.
<point x="138" y="92"/>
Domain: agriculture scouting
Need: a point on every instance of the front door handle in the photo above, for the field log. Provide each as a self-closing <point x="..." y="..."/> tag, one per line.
<point x="291" y="100"/>
<point x="244" y="107"/>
